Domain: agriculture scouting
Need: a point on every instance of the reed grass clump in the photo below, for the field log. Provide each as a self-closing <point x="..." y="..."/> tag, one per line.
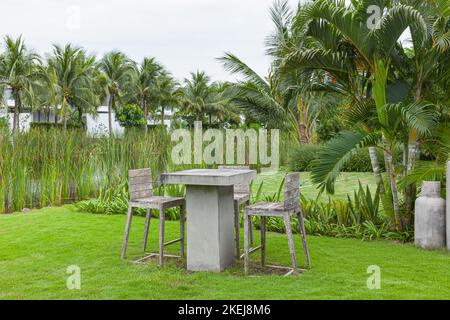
<point x="44" y="167"/>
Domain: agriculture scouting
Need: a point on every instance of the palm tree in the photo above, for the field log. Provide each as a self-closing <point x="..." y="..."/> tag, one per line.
<point x="346" y="49"/>
<point x="195" y="94"/>
<point x="18" y="69"/>
<point x="166" y="96"/>
<point x="117" y="77"/>
<point x="423" y="68"/>
<point x="280" y="102"/>
<point x="48" y="91"/>
<point x="147" y="75"/>
<point x="70" y="78"/>
<point x="221" y="104"/>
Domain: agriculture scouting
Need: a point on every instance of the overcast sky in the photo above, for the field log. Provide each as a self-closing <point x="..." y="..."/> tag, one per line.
<point x="184" y="35"/>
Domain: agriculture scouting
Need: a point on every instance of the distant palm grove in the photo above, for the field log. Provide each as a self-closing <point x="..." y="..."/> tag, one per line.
<point x="346" y="93"/>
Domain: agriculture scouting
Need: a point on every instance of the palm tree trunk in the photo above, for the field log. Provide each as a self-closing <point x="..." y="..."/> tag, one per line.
<point x="302" y="128"/>
<point x="80" y="115"/>
<point x="390" y="169"/>
<point x="413" y="156"/>
<point x="16" y="121"/>
<point x="63" y="112"/>
<point x="386" y="199"/>
<point x="144" y="105"/>
<point x="110" y="105"/>
<point x="56" y="116"/>
<point x="376" y="169"/>
<point x="162" y="115"/>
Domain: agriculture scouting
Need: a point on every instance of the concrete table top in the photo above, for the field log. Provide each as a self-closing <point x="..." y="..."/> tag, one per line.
<point x="209" y="177"/>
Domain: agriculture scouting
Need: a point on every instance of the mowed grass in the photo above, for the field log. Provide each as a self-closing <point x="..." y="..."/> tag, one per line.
<point x="346" y="183"/>
<point x="36" y="248"/>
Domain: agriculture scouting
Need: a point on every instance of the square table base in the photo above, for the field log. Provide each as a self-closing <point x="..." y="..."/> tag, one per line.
<point x="210" y="232"/>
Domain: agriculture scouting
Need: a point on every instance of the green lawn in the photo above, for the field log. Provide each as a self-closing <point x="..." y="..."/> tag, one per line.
<point x="36" y="248"/>
<point x="345" y="184"/>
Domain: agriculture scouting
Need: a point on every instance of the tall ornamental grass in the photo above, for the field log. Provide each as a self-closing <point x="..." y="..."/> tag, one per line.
<point x="51" y="167"/>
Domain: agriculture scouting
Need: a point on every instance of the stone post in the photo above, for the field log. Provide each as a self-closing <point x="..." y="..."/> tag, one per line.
<point x="448" y="204"/>
<point x="429" y="224"/>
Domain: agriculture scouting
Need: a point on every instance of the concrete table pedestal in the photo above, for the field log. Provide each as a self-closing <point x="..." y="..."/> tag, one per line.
<point x="210" y="214"/>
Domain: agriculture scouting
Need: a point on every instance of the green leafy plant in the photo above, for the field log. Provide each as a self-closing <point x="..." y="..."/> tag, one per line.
<point x="130" y="116"/>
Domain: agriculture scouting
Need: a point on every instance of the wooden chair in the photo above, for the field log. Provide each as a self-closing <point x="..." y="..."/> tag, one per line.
<point x="290" y="206"/>
<point x="141" y="196"/>
<point x="241" y="196"/>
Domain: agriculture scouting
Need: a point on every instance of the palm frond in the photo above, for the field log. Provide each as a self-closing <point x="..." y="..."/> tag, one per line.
<point x="333" y="156"/>
<point x="234" y="65"/>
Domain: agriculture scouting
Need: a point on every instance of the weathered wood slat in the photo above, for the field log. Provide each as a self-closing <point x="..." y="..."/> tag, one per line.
<point x="148" y="216"/>
<point x="151" y="255"/>
<point x="168" y="243"/>
<point x="287" y="223"/>
<point x="291" y="203"/>
<point x="161" y="236"/>
<point x="291" y="181"/>
<point x="134" y="195"/>
<point x="292" y="194"/>
<point x="140" y="187"/>
<point x="139" y="173"/>
<point x="251" y="250"/>
<point x="140" y="180"/>
<point x="263" y="242"/>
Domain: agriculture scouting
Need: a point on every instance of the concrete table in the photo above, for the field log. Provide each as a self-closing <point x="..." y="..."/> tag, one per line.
<point x="210" y="212"/>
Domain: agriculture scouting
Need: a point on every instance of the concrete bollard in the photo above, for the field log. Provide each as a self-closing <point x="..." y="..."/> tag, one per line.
<point x="448" y="204"/>
<point x="429" y="221"/>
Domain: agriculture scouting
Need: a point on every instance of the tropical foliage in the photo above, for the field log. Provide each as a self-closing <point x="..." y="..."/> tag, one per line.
<point x="345" y="87"/>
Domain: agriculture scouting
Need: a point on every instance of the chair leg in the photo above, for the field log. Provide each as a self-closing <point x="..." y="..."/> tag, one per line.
<point x="246" y="243"/>
<point x="148" y="216"/>
<point x="237" y="236"/>
<point x="263" y="242"/>
<point x="127" y="231"/>
<point x="182" y="220"/>
<point x="301" y="226"/>
<point x="287" y="223"/>
<point x="250" y="226"/>
<point x="161" y="235"/>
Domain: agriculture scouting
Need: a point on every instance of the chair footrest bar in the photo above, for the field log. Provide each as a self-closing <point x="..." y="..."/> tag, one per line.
<point x="291" y="271"/>
<point x="251" y="251"/>
<point x="172" y="242"/>
<point x="151" y="255"/>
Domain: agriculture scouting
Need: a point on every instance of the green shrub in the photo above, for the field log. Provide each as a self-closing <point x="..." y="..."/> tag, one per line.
<point x="360" y="162"/>
<point x="4" y="123"/>
<point x="328" y="129"/>
<point x="357" y="217"/>
<point x="130" y="116"/>
<point x="301" y="157"/>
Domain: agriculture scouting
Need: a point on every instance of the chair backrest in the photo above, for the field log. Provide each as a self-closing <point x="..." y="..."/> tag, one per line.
<point x="292" y="192"/>
<point x="140" y="183"/>
<point x="239" y="187"/>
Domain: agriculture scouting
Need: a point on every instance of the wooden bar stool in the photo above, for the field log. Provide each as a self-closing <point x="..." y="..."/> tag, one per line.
<point x="241" y="196"/>
<point x="141" y="196"/>
<point x="290" y="206"/>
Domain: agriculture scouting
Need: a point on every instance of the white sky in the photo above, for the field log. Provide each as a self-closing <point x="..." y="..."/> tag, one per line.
<point x="184" y="35"/>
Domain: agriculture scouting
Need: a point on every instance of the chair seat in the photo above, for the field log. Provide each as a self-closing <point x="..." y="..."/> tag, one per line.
<point x="241" y="197"/>
<point x="266" y="208"/>
<point x="154" y="202"/>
